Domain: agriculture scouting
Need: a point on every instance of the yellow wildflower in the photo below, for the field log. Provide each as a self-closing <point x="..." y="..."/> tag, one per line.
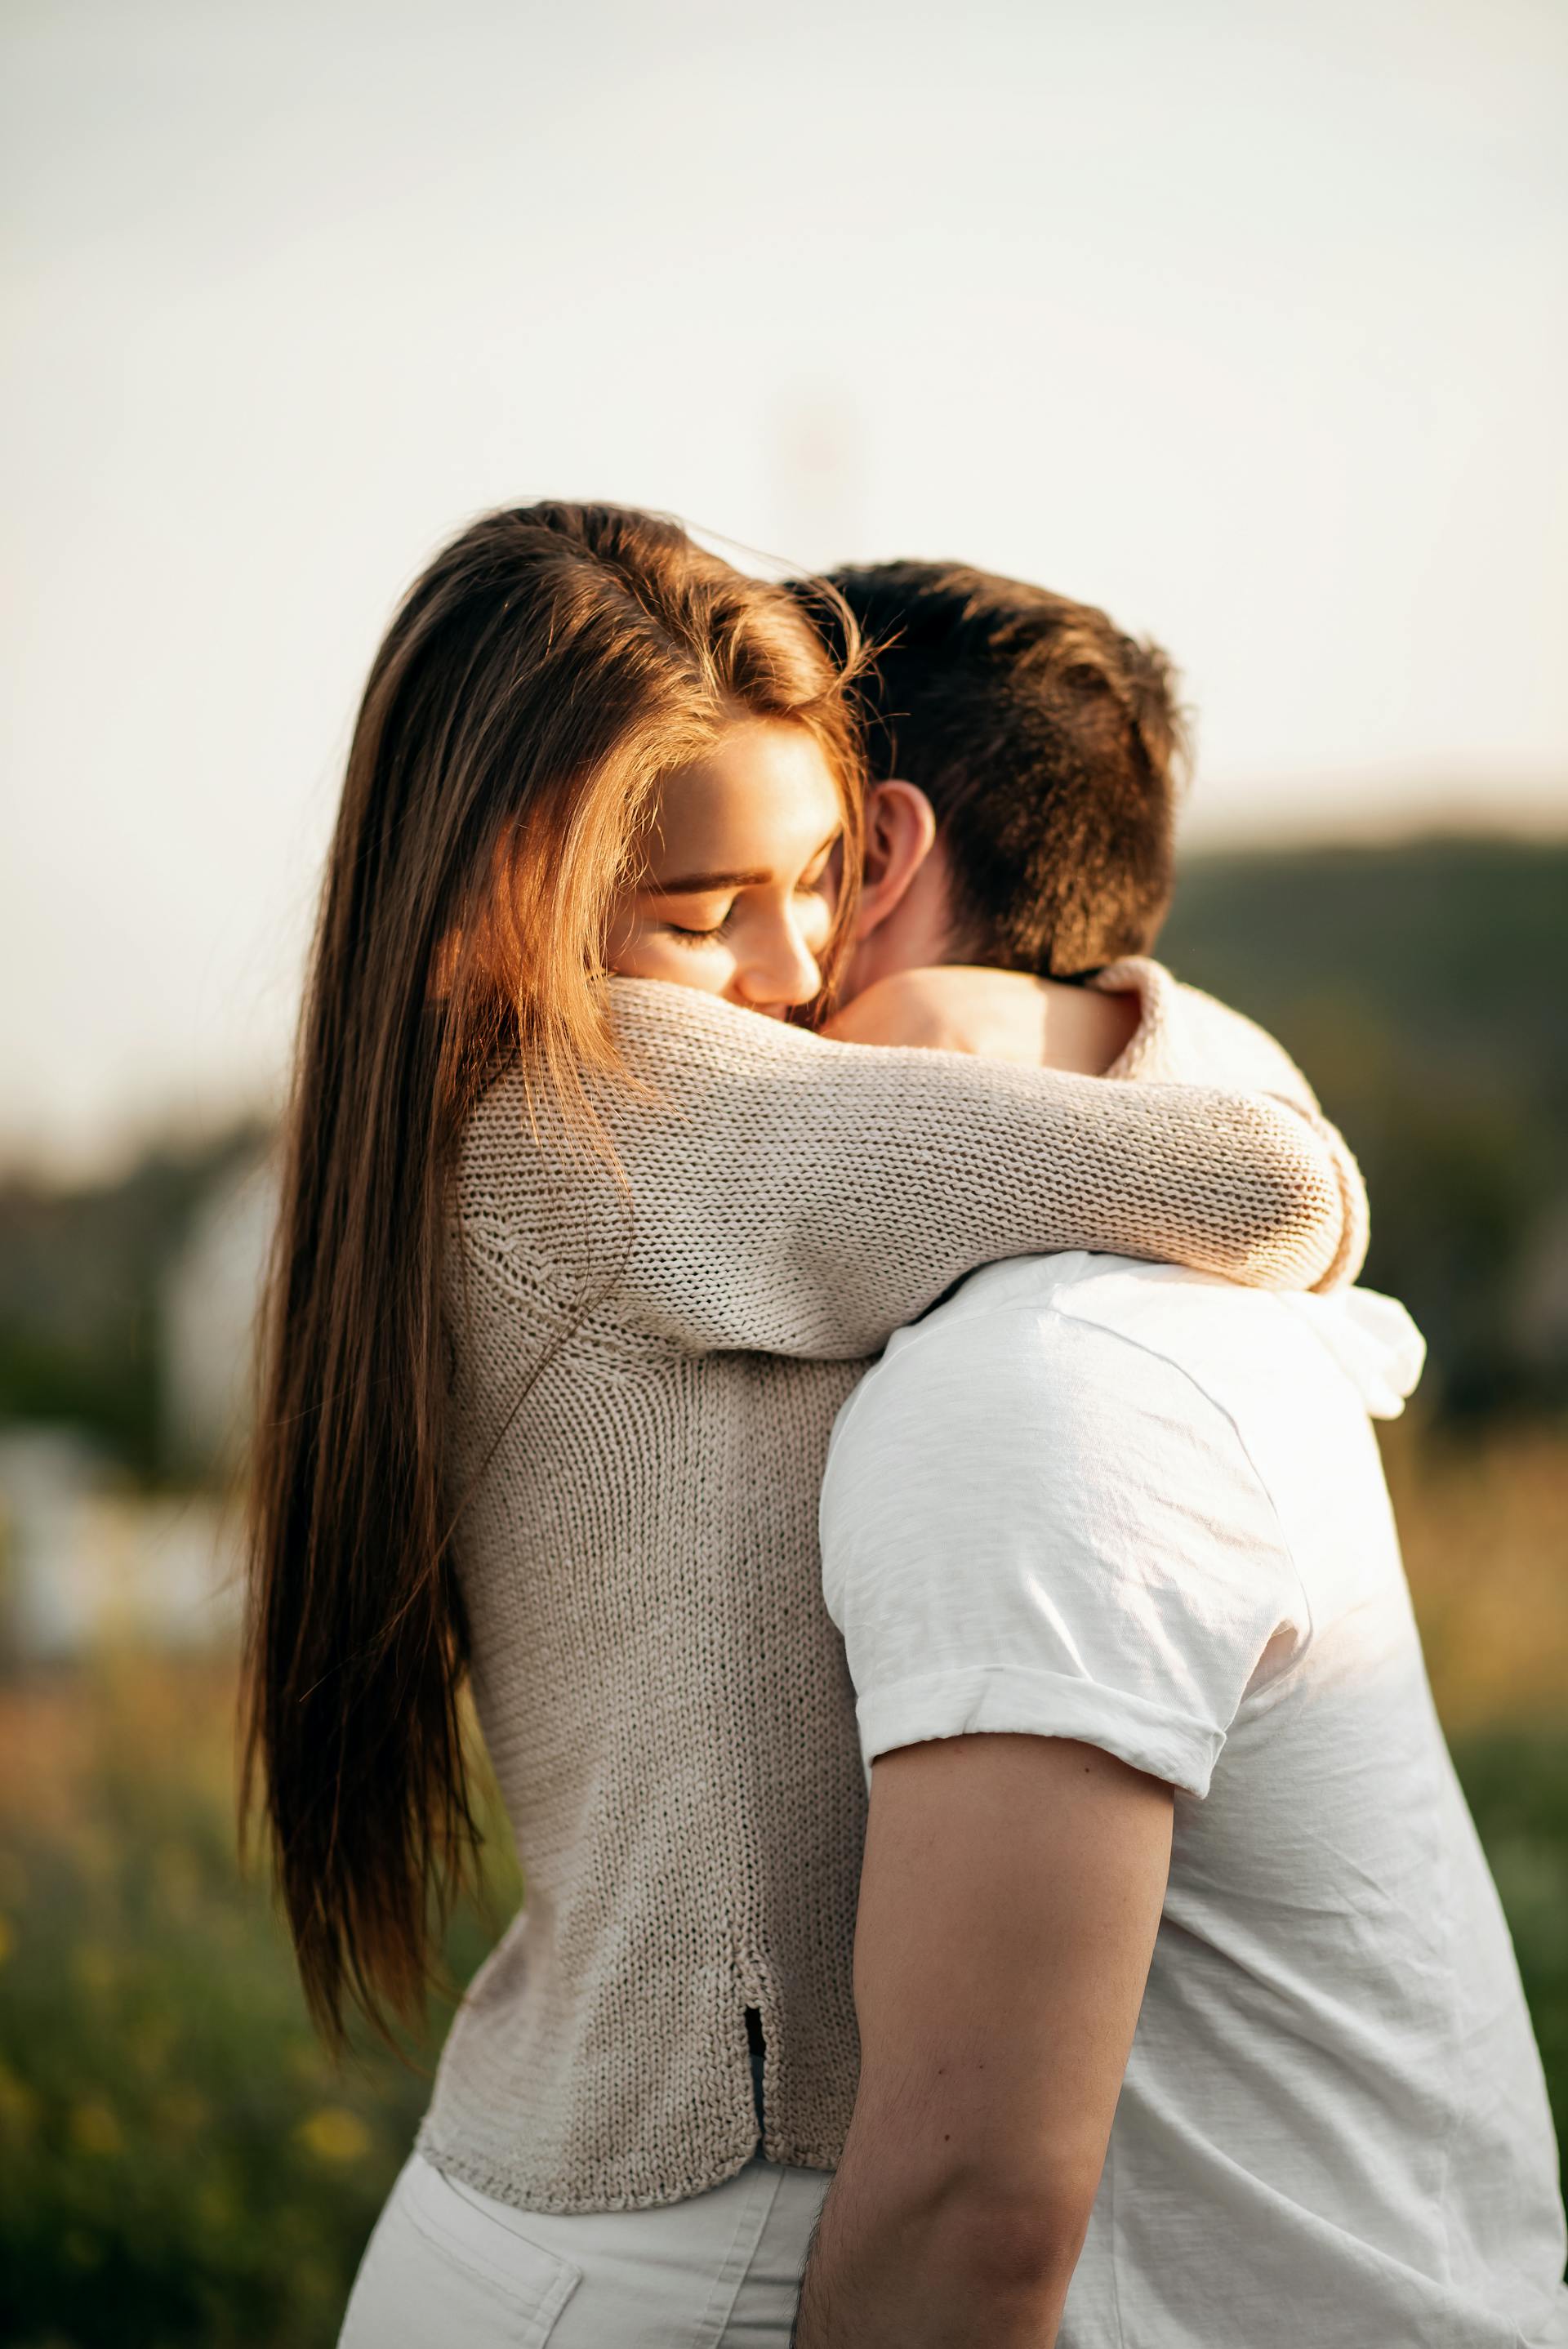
<point x="94" y="2130"/>
<point x="334" y="2135"/>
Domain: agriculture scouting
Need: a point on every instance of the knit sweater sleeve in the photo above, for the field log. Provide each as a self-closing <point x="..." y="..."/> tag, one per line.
<point x="1186" y="1037"/>
<point x="790" y="1195"/>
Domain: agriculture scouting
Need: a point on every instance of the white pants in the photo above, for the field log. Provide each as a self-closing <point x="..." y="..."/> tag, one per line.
<point x="447" y="2268"/>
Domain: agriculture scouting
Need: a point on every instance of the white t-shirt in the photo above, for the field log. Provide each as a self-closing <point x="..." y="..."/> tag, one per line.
<point x="1126" y="1504"/>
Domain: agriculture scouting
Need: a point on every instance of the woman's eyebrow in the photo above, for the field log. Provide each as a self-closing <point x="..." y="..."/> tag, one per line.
<point x="695" y="884"/>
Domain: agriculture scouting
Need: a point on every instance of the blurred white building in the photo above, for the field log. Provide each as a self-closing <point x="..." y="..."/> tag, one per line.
<point x="211" y="1294"/>
<point x="85" y="1563"/>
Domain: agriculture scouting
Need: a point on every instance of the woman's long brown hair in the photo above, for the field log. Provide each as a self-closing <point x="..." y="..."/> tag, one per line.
<point x="551" y="665"/>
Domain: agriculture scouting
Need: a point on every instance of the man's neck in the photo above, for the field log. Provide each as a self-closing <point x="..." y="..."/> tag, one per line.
<point x="895" y="992"/>
<point x="918" y="934"/>
<point x="996" y="1015"/>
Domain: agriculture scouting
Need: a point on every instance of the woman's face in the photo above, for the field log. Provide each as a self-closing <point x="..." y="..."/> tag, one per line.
<point x="738" y="890"/>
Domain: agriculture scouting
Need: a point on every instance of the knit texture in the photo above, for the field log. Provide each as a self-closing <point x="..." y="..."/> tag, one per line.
<point x="1186" y="1037"/>
<point x="645" y="1379"/>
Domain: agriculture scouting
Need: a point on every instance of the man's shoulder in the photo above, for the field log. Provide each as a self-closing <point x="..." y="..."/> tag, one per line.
<point x="1121" y="1293"/>
<point x="1077" y="1396"/>
<point x="1191" y="1038"/>
<point x="1012" y="1336"/>
<point x="1255" y="1355"/>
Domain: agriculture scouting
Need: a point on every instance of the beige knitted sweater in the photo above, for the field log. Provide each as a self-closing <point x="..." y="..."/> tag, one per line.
<point x="641" y="1412"/>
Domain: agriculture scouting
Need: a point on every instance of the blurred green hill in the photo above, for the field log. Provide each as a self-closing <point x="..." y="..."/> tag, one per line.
<point x="1421" y="986"/>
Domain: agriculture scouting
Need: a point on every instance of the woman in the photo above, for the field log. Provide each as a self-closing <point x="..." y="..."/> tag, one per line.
<point x="575" y="1268"/>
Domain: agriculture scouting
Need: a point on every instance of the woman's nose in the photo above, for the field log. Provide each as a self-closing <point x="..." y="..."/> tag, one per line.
<point x="780" y="970"/>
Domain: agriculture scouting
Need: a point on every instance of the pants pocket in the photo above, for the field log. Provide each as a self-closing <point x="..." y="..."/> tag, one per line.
<point x="438" y="2272"/>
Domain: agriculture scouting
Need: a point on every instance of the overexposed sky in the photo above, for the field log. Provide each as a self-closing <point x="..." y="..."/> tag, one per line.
<point x="1248" y="322"/>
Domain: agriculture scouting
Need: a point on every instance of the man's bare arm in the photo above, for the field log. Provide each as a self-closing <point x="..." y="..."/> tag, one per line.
<point x="1009" y="1901"/>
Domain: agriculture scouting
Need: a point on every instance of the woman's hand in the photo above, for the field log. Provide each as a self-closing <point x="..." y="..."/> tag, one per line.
<point x="994" y="1015"/>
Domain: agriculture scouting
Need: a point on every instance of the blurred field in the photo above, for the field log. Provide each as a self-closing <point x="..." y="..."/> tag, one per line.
<point x="179" y="2162"/>
<point x="1484" y="1518"/>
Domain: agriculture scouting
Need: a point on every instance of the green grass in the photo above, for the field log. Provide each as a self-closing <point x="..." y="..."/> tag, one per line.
<point x="181" y="2166"/>
<point x="1517" y="1784"/>
<point x="180" y="2161"/>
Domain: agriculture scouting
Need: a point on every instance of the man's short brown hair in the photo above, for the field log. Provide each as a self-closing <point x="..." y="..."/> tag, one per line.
<point x="1047" y="742"/>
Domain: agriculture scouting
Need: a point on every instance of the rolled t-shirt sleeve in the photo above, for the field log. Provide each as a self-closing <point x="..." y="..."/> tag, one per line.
<point x="1033" y="1523"/>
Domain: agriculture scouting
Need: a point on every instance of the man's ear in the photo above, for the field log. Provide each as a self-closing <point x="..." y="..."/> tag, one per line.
<point x="901" y="833"/>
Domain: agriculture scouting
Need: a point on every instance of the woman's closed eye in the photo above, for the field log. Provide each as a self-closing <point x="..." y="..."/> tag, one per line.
<point x="699" y="933"/>
<point x="693" y="937"/>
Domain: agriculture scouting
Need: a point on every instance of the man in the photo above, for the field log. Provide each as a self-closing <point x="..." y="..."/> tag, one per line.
<point x="1189" y="2016"/>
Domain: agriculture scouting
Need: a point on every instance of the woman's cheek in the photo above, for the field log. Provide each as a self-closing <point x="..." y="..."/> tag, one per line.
<point x="710" y="972"/>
